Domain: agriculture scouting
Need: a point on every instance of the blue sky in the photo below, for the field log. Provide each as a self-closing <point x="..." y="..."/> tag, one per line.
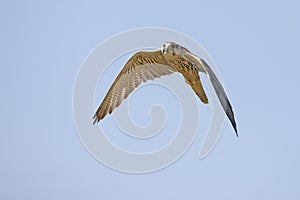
<point x="255" y="46"/>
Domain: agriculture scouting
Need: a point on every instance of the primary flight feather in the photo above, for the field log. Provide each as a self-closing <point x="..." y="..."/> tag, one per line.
<point x="171" y="58"/>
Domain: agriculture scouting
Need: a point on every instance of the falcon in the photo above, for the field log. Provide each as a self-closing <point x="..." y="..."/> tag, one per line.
<point x="171" y="58"/>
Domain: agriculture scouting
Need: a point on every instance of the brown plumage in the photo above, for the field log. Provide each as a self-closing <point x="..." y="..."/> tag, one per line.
<point x="190" y="74"/>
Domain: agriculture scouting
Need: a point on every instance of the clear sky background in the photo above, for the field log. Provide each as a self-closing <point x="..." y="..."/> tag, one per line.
<point x="255" y="46"/>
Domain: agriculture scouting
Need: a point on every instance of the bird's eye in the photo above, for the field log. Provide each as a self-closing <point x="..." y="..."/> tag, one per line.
<point x="164" y="45"/>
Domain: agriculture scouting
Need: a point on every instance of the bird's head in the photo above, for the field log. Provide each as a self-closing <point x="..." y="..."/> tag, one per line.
<point x="167" y="48"/>
<point x="172" y="48"/>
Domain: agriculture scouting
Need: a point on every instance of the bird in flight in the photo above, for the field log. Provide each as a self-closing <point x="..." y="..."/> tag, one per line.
<point x="171" y="58"/>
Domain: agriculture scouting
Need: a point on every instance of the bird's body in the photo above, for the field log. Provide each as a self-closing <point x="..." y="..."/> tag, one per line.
<point x="144" y="66"/>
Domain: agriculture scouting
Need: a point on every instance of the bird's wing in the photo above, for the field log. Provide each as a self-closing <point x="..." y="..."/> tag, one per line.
<point x="141" y="67"/>
<point x="190" y="73"/>
<point x="202" y="65"/>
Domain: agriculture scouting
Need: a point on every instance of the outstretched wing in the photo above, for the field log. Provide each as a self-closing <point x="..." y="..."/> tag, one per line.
<point x="221" y="94"/>
<point x="141" y="67"/>
<point x="204" y="67"/>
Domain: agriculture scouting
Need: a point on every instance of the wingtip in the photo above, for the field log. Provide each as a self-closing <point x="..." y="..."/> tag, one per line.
<point x="230" y="115"/>
<point x="234" y="127"/>
<point x="236" y="132"/>
<point x="96" y="120"/>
